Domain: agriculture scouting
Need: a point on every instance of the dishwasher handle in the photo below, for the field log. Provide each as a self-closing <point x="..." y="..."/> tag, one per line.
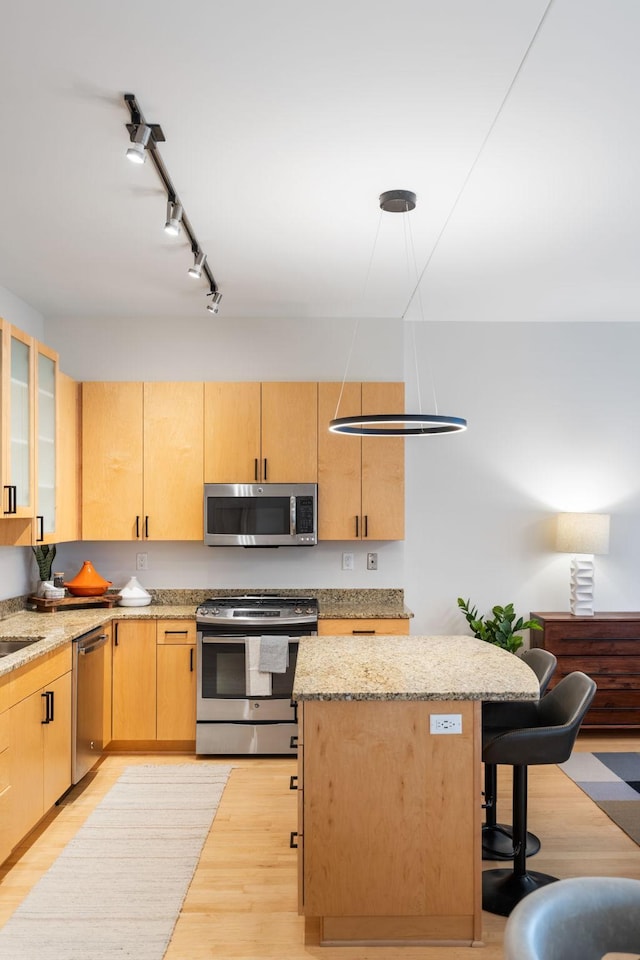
<point x="99" y="641"/>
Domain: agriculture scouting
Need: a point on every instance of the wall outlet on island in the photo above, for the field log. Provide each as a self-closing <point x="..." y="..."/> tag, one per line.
<point x="348" y="561"/>
<point x="445" y="723"/>
<point x="142" y="561"/>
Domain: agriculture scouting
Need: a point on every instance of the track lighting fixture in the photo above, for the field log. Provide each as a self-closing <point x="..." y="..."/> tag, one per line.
<point x="174" y="216"/>
<point x="144" y="139"/>
<point x="214" y="305"/>
<point x="195" y="270"/>
<point x="137" y="152"/>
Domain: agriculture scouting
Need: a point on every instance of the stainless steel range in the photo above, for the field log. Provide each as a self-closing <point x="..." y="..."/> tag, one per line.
<point x="247" y="650"/>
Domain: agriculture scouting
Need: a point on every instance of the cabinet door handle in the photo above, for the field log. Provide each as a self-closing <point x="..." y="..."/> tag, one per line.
<point x="40" y="520"/>
<point x="357" y="526"/>
<point x="366" y="525"/>
<point x="293" y="782"/>
<point x="362" y="632"/>
<point x="191" y="660"/>
<point x="12" y="498"/>
<point x="51" y="694"/>
<point x="45" y="697"/>
<point x="146" y="528"/>
<point x="137" y="528"/>
<point x="255" y="470"/>
<point x="292" y="843"/>
<point x="115" y="636"/>
<point x="265" y="470"/>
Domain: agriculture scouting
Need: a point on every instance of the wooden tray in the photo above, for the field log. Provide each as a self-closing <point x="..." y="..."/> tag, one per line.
<point x="66" y="603"/>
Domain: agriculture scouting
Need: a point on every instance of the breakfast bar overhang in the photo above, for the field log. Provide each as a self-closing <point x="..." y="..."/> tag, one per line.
<point x="389" y="781"/>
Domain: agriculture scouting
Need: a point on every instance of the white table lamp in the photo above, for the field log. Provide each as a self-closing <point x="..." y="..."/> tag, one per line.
<point x="583" y="535"/>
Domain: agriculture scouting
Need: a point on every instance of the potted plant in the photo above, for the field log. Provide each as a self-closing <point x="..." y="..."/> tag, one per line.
<point x="503" y="628"/>
<point x="44" y="554"/>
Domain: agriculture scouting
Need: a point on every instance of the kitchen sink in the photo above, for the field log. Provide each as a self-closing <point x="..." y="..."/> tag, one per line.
<point x="12" y="644"/>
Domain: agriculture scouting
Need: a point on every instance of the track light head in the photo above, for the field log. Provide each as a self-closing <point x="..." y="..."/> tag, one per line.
<point x="214" y="305"/>
<point x="195" y="270"/>
<point x="139" y="140"/>
<point x="174" y="216"/>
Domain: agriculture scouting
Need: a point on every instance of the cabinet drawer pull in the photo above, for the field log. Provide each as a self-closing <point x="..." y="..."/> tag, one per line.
<point x="363" y="632"/>
<point x="178" y="633"/>
<point x="293" y="782"/>
<point x="292" y="844"/>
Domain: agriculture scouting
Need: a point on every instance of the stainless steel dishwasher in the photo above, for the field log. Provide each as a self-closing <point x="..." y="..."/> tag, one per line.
<point x="87" y="701"/>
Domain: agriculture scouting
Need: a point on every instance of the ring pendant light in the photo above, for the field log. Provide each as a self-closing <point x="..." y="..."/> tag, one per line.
<point x="396" y="424"/>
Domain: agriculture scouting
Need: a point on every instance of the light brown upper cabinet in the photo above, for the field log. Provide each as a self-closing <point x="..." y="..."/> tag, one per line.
<point x="68" y="460"/>
<point x="46" y="446"/>
<point x="360" y="479"/>
<point x="17" y="365"/>
<point x="261" y="432"/>
<point x="142" y="461"/>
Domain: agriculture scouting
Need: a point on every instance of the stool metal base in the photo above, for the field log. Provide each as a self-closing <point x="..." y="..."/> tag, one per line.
<point x="503" y="889"/>
<point x="497" y="842"/>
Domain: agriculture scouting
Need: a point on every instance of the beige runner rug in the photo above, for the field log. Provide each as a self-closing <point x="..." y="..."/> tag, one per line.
<point x="116" y="889"/>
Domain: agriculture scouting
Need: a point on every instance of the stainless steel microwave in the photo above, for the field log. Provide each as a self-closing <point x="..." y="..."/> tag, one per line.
<point x="260" y="514"/>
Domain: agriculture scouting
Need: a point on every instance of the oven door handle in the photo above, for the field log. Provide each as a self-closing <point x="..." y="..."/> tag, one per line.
<point x="292" y="516"/>
<point x="222" y="637"/>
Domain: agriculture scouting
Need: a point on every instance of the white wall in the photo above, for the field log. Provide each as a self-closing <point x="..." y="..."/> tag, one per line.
<point x="553" y="413"/>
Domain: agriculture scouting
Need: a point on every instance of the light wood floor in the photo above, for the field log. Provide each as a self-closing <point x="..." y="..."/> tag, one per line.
<point x="242" y="901"/>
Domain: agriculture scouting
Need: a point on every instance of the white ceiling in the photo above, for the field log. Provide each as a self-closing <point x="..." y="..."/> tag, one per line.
<point x="285" y="119"/>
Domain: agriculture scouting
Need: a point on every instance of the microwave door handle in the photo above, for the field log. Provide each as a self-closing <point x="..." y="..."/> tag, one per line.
<point x="292" y="517"/>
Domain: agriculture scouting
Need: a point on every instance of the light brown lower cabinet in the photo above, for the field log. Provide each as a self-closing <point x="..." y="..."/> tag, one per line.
<point x="389" y="822"/>
<point x="39" y="751"/>
<point x="366" y="627"/>
<point x="176" y="680"/>
<point x="154" y="682"/>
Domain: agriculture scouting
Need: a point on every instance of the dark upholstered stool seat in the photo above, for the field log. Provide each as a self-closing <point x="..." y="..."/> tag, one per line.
<point x="499" y="717"/>
<point x="549" y="731"/>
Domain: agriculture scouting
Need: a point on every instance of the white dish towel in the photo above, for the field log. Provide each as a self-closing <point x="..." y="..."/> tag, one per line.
<point x="258" y="682"/>
<point x="274" y="654"/>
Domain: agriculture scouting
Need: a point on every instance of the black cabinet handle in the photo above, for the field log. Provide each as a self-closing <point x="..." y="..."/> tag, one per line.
<point x="146" y="528"/>
<point x="137" y="528"/>
<point x="12" y="498"/>
<point x="357" y="526"/>
<point x="294" y="704"/>
<point x="191" y="660"/>
<point x="366" y="525"/>
<point x="46" y="707"/>
<point x="115" y="636"/>
<point x="40" y="520"/>
<point x="293" y="782"/>
<point x="51" y="694"/>
<point x="255" y="470"/>
<point x="265" y="470"/>
<point x="294" y="737"/>
<point x="362" y="632"/>
<point x="294" y="846"/>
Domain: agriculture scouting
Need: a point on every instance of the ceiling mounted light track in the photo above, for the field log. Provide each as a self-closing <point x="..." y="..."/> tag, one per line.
<point x="144" y="138"/>
<point x="396" y="424"/>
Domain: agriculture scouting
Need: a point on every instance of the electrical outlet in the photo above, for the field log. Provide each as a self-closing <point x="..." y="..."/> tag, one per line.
<point x="142" y="561"/>
<point x="445" y="723"/>
<point x="372" y="561"/>
<point x="348" y="561"/>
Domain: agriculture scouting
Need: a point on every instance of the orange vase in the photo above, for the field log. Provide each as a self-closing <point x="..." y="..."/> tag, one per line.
<point x="87" y="582"/>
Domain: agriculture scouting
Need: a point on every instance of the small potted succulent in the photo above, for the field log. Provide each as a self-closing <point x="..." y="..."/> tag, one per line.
<point x="503" y="628"/>
<point x="45" y="555"/>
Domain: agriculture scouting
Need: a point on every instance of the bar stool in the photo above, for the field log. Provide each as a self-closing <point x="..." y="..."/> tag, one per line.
<point x="547" y="737"/>
<point x="497" y="838"/>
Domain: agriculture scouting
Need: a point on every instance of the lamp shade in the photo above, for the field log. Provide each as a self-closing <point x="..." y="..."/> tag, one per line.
<point x="582" y="533"/>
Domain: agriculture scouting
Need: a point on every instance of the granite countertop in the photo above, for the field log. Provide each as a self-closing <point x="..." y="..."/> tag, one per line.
<point x="54" y="629"/>
<point x="410" y="668"/>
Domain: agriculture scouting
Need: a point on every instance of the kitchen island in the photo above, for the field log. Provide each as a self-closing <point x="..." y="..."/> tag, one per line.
<point x="389" y="780"/>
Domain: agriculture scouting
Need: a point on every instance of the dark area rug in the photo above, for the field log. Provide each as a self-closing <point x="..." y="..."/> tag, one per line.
<point x="612" y="780"/>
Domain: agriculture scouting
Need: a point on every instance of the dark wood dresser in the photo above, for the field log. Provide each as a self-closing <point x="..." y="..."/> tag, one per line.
<point x="605" y="646"/>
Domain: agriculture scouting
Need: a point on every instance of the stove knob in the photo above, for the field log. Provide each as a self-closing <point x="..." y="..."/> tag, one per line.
<point x="213" y="611"/>
<point x="310" y="610"/>
<point x="297" y="611"/>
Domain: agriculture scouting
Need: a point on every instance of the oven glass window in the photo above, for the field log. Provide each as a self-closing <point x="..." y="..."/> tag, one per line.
<point x="249" y="515"/>
<point x="223" y="672"/>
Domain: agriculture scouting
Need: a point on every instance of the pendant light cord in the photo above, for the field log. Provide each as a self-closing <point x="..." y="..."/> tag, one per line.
<point x="357" y="323"/>
<point x="478" y="155"/>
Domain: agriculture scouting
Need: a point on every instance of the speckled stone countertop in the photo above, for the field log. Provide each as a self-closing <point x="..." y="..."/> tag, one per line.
<point x="410" y="668"/>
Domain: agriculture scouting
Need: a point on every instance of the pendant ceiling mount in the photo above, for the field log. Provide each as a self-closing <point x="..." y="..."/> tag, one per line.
<point x="397" y="201"/>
